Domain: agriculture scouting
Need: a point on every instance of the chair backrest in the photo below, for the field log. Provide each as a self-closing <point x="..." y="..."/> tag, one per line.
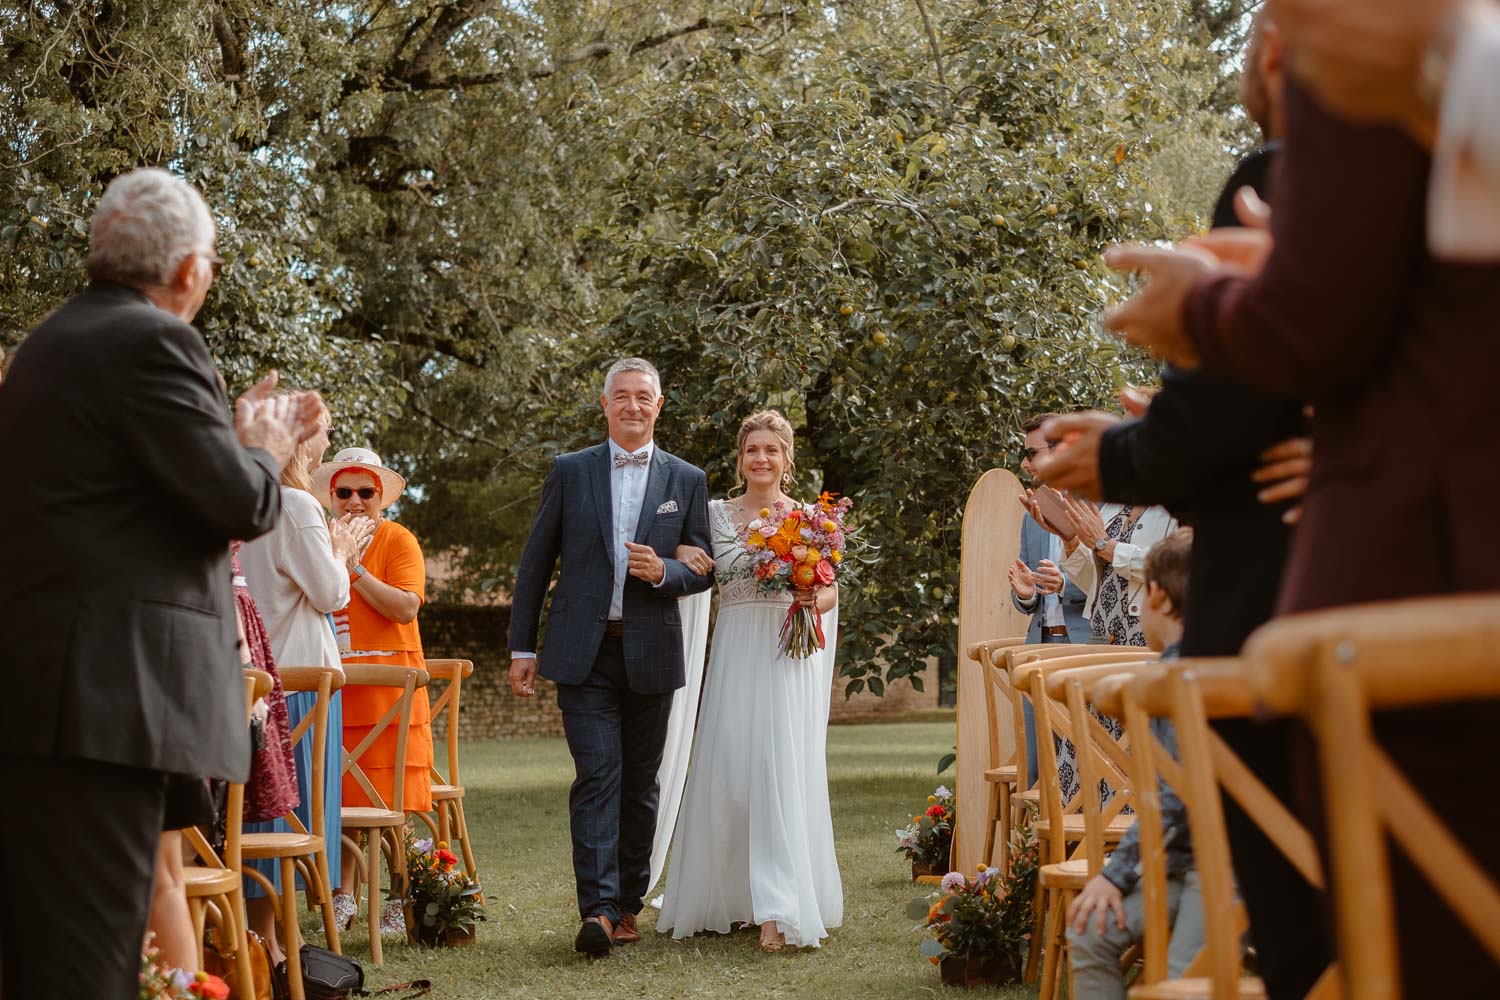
<point x="312" y="726"/>
<point x="982" y="653"/>
<point x="1099" y="754"/>
<point x="1052" y="719"/>
<point x="406" y="680"/>
<point x="1337" y="667"/>
<point x="454" y="672"/>
<point x="1188" y="693"/>
<point x="258" y="684"/>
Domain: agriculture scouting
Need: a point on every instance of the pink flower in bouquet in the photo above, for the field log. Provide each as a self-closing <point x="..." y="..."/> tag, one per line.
<point x="954" y="882"/>
<point x="824" y="573"/>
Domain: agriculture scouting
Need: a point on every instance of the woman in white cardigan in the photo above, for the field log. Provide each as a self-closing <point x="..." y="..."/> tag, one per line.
<point x="1106" y="559"/>
<point x="298" y="575"/>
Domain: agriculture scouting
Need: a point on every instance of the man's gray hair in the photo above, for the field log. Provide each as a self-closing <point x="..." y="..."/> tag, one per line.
<point x="632" y="365"/>
<point x="143" y="227"/>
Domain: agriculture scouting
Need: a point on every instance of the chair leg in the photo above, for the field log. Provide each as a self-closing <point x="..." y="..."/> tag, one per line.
<point x="1052" y="953"/>
<point x="372" y="877"/>
<point x="291" y="940"/>
<point x="989" y="831"/>
<point x="241" y="939"/>
<point x="1038" y="928"/>
<point x="1004" y="828"/>
<point x="330" y="925"/>
<point x="463" y="839"/>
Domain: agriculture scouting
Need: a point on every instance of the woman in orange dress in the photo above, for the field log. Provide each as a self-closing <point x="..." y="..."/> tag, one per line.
<point x="387" y="589"/>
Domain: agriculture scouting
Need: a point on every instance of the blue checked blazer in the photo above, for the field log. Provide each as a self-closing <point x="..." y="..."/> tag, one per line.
<point x="574" y="524"/>
<point x="1036" y="542"/>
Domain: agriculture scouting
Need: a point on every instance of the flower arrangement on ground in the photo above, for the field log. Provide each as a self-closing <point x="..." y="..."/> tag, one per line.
<point x="980" y="925"/>
<point x="796" y="547"/>
<point x="161" y="983"/>
<point x="444" y="901"/>
<point x="928" y="840"/>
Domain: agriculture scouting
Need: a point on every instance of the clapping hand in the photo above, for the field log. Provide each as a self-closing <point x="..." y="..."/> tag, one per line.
<point x="1073" y="466"/>
<point x="1152" y="317"/>
<point x="1049" y="578"/>
<point x="277" y="424"/>
<point x="1086" y="522"/>
<point x="350" y="536"/>
<point x="1022" y="582"/>
<point x="1286" y="469"/>
<point x="695" y="559"/>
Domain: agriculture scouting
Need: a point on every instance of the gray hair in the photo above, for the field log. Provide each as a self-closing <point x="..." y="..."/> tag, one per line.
<point x="632" y="365"/>
<point x="146" y="223"/>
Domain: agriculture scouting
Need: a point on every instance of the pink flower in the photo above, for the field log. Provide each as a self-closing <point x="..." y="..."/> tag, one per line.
<point x="825" y="573"/>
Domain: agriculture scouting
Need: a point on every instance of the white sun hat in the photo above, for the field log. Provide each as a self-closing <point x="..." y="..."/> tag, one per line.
<point x="363" y="459"/>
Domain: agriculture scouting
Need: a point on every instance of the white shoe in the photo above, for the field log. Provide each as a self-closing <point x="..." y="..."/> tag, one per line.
<point x="344" y="910"/>
<point x="392" y="917"/>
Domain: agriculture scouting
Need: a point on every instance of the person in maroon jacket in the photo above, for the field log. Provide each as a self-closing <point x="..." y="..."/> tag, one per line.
<point x="1343" y="306"/>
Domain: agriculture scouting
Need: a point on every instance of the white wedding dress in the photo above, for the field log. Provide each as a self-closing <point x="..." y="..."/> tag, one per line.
<point x="754" y="838"/>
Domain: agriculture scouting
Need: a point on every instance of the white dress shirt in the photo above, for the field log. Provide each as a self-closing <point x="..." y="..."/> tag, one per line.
<point x="1463" y="195"/>
<point x="1052" y="609"/>
<point x="627" y="492"/>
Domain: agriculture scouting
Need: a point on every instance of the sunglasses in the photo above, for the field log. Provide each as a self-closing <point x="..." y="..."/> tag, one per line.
<point x="365" y="492"/>
<point x="1030" y="454"/>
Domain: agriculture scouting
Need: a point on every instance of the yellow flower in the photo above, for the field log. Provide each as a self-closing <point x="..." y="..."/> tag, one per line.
<point x="765" y="512"/>
<point x="836" y="556"/>
<point x="980" y="869"/>
<point x="756" y="540"/>
<point x="442" y="845"/>
<point x="813" y="555"/>
<point x="931" y="799"/>
<point x="829" y="526"/>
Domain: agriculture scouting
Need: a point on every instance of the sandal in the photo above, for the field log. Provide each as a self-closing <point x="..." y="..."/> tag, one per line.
<point x="771" y="944"/>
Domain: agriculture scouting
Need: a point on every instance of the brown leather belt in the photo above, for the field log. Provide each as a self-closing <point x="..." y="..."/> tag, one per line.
<point x="615" y="630"/>
<point x="1054" y="630"/>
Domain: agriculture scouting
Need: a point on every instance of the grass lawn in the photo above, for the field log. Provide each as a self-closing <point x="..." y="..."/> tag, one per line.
<point x="517" y="806"/>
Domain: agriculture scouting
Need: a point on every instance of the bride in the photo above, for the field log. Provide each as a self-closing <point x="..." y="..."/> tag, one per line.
<point x="754" y="840"/>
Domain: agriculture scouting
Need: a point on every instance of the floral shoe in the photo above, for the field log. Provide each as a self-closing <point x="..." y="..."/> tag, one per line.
<point x="344" y="910"/>
<point x="392" y="917"/>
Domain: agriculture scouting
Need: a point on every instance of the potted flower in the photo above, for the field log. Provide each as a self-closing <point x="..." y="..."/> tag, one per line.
<point x="442" y="902"/>
<point x="928" y="840"/>
<point x="980" y="925"/>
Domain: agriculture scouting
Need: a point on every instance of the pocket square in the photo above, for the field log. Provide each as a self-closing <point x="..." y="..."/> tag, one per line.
<point x="670" y="507"/>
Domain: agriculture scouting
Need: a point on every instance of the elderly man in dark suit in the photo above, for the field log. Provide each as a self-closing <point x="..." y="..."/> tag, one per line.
<point x="614" y="514"/>
<point x="124" y="484"/>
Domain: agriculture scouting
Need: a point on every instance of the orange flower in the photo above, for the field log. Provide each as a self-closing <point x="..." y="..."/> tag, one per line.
<point x="756" y="540"/>
<point x="804" y="576"/>
<point x="781" y="545"/>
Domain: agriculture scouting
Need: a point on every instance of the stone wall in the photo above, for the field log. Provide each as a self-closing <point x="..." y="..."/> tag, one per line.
<point x="490" y="711"/>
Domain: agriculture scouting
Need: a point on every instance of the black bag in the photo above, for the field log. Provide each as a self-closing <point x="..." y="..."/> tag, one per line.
<point x="326" y="976"/>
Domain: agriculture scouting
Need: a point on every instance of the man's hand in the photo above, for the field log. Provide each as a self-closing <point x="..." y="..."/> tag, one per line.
<point x="522" y="675"/>
<point x="1137" y="400"/>
<point x="695" y="559"/>
<point x="1100" y="896"/>
<point x="1073" y="466"/>
<point x="1286" y="467"/>
<point x="1152" y="318"/>
<point x="1363" y="58"/>
<point x="276" y="424"/>
<point x="1021" y="580"/>
<point x="1049" y="579"/>
<point x="645" y="564"/>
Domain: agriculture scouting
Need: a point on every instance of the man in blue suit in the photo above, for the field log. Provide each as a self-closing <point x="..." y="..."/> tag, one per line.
<point x="1038" y="585"/>
<point x="614" y="514"/>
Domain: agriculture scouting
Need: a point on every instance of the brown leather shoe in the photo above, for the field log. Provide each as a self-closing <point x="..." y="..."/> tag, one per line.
<point x="625" y="932"/>
<point x="595" y="936"/>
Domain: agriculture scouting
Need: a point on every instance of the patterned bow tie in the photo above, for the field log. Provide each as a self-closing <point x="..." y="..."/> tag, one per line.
<point x="641" y="458"/>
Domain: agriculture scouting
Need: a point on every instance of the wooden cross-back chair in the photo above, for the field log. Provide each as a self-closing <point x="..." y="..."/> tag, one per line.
<point x="1189" y="693"/>
<point x="1060" y="709"/>
<point x="302" y="850"/>
<point x="214" y="890"/>
<point x="1001" y="776"/>
<point x="448" y="791"/>
<point x="1335" y="668"/>
<point x="383" y="825"/>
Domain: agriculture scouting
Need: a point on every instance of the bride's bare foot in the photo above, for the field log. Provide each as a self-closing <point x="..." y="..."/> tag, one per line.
<point x="771" y="939"/>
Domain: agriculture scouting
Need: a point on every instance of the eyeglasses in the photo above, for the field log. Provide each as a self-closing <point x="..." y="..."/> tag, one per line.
<point x="215" y="263"/>
<point x="1030" y="454"/>
<point x="365" y="492"/>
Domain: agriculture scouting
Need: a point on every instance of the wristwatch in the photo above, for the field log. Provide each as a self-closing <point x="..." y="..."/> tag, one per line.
<point x="359" y="569"/>
<point x="1102" y="541"/>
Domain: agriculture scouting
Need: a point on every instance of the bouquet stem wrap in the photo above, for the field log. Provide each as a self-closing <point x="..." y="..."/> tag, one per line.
<point x="801" y="633"/>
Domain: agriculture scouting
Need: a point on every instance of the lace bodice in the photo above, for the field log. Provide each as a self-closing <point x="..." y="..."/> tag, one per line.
<point x="732" y="564"/>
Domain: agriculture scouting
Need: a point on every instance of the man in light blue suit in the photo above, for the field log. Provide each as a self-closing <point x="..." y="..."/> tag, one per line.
<point x="1038" y="585"/>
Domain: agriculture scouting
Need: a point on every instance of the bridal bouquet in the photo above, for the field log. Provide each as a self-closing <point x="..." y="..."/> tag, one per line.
<point x="797" y="547"/>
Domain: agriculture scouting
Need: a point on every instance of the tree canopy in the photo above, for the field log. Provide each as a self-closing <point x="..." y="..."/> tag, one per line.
<point x="882" y="217"/>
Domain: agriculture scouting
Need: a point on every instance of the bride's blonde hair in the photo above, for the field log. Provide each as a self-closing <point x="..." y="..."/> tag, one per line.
<point x="765" y="420"/>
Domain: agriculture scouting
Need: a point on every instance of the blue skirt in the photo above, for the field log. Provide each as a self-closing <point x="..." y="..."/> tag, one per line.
<point x="298" y="704"/>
